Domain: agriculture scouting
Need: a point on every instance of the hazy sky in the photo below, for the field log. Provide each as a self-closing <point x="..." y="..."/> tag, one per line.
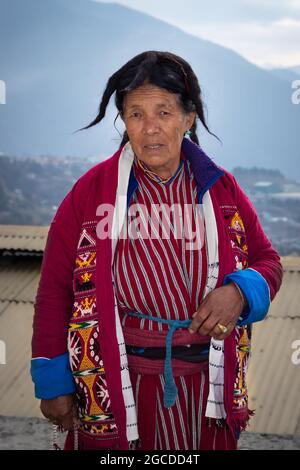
<point x="266" y="32"/>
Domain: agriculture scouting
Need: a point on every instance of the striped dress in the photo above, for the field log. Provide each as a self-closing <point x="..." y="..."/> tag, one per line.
<point x="163" y="275"/>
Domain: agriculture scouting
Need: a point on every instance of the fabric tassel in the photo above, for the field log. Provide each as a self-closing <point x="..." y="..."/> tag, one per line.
<point x="238" y="422"/>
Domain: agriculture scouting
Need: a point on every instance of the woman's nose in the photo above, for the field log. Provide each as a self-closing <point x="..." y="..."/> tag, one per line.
<point x="151" y="126"/>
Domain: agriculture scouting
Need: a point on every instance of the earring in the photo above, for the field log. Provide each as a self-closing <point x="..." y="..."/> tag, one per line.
<point x="188" y="133"/>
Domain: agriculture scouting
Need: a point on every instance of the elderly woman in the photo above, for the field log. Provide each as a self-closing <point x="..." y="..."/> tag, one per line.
<point x="155" y="268"/>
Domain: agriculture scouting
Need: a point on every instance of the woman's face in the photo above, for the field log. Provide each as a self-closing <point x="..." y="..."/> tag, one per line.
<point x="155" y="124"/>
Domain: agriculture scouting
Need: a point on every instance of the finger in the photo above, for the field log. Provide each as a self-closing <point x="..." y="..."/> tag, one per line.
<point x="71" y="420"/>
<point x="53" y="420"/>
<point x="76" y="419"/>
<point x="68" y="422"/>
<point x="218" y="330"/>
<point x="200" y="317"/>
<point x="61" y="419"/>
<point x="217" y="334"/>
<point x="209" y="325"/>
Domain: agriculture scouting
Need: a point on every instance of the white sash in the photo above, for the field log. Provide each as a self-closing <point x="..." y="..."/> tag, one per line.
<point x="215" y="404"/>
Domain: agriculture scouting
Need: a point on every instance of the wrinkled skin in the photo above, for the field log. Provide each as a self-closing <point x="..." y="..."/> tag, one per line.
<point x="60" y="410"/>
<point x="223" y="305"/>
<point x="153" y="115"/>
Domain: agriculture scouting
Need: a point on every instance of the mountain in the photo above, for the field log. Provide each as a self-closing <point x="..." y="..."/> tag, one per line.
<point x="288" y="73"/>
<point x="296" y="68"/>
<point x="58" y="54"/>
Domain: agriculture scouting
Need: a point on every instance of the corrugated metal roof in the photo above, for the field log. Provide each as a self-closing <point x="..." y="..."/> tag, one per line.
<point x="23" y="237"/>
<point x="19" y="278"/>
<point x="16" y="388"/>
<point x="274" y="381"/>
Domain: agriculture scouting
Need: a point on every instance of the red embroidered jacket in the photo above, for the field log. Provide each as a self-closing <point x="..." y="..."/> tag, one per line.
<point x="260" y="281"/>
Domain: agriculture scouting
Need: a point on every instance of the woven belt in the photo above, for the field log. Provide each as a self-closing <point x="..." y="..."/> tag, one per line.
<point x="190" y="353"/>
<point x="170" y="391"/>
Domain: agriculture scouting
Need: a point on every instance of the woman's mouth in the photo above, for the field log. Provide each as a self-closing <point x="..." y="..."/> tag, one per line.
<point x="153" y="146"/>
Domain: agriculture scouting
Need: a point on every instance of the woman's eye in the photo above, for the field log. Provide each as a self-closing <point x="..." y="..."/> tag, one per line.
<point x="138" y="115"/>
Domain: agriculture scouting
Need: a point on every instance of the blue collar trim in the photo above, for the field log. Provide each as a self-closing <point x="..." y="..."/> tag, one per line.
<point x="206" y="172"/>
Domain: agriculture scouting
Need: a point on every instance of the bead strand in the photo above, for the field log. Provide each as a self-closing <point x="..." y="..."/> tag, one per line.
<point x="75" y="435"/>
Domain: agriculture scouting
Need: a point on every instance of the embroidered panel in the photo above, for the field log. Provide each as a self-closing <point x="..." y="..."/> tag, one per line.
<point x="243" y="351"/>
<point x="94" y="406"/>
<point x="235" y="228"/>
<point x="236" y="231"/>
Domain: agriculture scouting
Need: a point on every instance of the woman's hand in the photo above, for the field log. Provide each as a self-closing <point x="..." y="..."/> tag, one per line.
<point x="61" y="411"/>
<point x="223" y="305"/>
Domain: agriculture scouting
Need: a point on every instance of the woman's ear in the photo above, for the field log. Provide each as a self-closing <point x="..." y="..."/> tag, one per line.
<point x="191" y="118"/>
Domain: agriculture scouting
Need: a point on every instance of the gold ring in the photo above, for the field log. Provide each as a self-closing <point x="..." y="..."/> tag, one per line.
<point x="223" y="328"/>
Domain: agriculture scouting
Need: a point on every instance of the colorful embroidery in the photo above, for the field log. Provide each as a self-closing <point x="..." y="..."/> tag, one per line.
<point x="107" y="428"/>
<point x="88" y="372"/>
<point x="237" y="236"/>
<point x="84" y="281"/>
<point x="87" y="238"/>
<point x="243" y="350"/>
<point x="236" y="232"/>
<point x="238" y="226"/>
<point x="94" y="405"/>
<point x="86" y="259"/>
<point x="84" y="307"/>
<point x="83" y="342"/>
<point x="82" y="325"/>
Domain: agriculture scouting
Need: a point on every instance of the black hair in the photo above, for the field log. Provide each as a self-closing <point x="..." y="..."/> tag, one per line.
<point x="163" y="69"/>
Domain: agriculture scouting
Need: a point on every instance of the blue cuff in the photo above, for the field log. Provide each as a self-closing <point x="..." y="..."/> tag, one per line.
<point x="256" y="290"/>
<point x="52" y="377"/>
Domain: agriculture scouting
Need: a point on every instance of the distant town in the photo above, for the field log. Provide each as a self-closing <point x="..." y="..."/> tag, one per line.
<point x="277" y="202"/>
<point x="32" y="188"/>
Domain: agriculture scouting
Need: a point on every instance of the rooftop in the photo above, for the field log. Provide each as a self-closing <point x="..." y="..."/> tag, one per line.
<point x="274" y="372"/>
